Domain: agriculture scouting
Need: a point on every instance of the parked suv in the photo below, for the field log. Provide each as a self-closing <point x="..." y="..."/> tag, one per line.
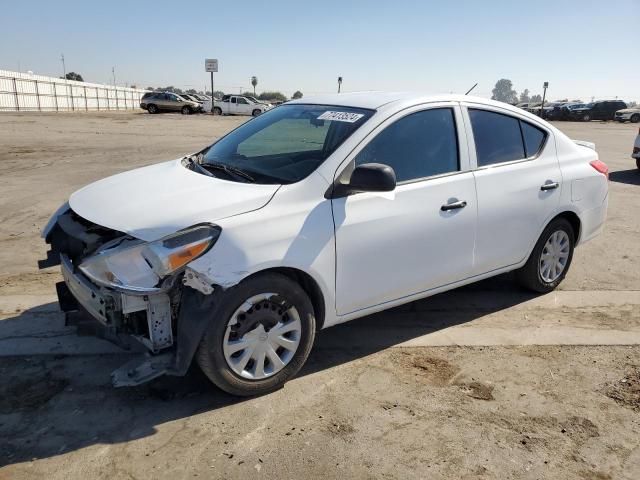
<point x="168" y="101"/>
<point x="601" y="110"/>
<point x="628" y="114"/>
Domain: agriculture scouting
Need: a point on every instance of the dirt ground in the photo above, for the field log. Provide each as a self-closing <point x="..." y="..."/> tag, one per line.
<point x="482" y="382"/>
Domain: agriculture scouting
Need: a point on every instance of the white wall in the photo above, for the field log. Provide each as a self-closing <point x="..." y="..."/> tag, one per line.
<point x="25" y="92"/>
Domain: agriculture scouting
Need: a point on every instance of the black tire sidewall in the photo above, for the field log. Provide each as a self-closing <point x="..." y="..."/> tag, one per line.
<point x="217" y="111"/>
<point x="256" y="114"/>
<point x="210" y="355"/>
<point x="152" y="109"/>
<point x="530" y="273"/>
<point x="635" y="118"/>
<point x="186" y="110"/>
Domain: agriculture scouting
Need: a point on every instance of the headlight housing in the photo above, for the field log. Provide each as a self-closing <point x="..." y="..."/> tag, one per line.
<point x="136" y="266"/>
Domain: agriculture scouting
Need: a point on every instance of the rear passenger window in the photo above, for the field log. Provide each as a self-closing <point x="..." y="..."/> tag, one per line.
<point x="533" y="138"/>
<point x="498" y="138"/>
<point x="419" y="145"/>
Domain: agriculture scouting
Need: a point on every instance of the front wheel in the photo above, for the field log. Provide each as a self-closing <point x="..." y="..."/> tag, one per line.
<point x="550" y="259"/>
<point x="586" y="117"/>
<point x="217" y="111"/>
<point x="635" y="118"/>
<point x="260" y="335"/>
<point x="256" y="112"/>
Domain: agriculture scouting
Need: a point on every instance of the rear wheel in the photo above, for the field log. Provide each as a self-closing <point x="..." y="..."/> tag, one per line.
<point x="635" y="118"/>
<point x="152" y="108"/>
<point x="260" y="337"/>
<point x="550" y="259"/>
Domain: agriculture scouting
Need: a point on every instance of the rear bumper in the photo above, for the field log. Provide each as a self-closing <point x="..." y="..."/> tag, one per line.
<point x="593" y="221"/>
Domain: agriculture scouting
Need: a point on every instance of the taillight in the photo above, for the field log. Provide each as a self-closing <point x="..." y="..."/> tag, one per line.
<point x="601" y="167"/>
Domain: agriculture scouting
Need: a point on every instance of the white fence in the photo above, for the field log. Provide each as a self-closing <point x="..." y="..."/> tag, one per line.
<point x="26" y="92"/>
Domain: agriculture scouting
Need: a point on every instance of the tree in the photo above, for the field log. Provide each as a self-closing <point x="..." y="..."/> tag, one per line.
<point x="524" y="96"/>
<point x="536" y="99"/>
<point x="504" y="92"/>
<point x="216" y="94"/>
<point x="254" y="82"/>
<point x="191" y="90"/>
<point x="248" y="94"/>
<point x="277" y="96"/>
<point x="74" y="76"/>
<point x="296" y="94"/>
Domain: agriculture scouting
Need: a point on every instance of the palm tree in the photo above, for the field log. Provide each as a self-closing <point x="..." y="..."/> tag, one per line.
<point x="254" y="82"/>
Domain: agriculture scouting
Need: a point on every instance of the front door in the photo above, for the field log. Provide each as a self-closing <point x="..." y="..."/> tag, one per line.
<point x="421" y="235"/>
<point x="518" y="184"/>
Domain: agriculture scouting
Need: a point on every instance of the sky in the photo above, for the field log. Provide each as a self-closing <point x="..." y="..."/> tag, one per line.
<point x="584" y="49"/>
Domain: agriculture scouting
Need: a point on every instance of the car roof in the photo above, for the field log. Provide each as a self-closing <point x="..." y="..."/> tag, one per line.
<point x="375" y="100"/>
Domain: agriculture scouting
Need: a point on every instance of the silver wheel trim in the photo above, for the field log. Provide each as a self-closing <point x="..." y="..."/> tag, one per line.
<point x="554" y="256"/>
<point x="262" y="346"/>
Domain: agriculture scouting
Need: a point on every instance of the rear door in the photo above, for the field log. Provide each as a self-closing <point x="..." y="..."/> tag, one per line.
<point x="396" y="244"/>
<point x="518" y="184"/>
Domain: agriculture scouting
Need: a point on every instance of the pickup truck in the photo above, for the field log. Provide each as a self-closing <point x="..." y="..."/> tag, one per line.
<point x="237" y="105"/>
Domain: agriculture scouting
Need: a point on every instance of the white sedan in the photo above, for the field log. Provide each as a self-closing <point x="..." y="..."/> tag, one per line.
<point x="315" y="213"/>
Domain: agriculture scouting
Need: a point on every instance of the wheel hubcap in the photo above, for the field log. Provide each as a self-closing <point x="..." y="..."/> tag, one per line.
<point x="555" y="255"/>
<point x="262" y="336"/>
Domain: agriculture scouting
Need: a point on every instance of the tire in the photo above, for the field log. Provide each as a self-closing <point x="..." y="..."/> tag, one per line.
<point x="152" y="109"/>
<point x="249" y="326"/>
<point x="256" y="112"/>
<point x="635" y="118"/>
<point x="531" y="275"/>
<point x="186" y="110"/>
<point x="586" y="117"/>
<point x="217" y="111"/>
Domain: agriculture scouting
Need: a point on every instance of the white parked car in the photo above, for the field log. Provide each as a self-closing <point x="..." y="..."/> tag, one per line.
<point x="237" y="105"/>
<point x="318" y="212"/>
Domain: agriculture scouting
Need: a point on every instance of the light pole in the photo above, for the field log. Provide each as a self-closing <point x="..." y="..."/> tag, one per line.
<point x="64" y="69"/>
<point x="113" y="72"/>
<point x="339" y="83"/>
<point x="544" y="95"/>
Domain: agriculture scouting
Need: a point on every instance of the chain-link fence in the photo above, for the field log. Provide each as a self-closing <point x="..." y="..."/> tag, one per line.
<point x="28" y="92"/>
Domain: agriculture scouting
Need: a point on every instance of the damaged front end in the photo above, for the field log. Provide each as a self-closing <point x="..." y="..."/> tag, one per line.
<point x="135" y="289"/>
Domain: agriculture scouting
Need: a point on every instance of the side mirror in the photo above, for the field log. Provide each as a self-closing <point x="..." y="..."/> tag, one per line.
<point x="368" y="177"/>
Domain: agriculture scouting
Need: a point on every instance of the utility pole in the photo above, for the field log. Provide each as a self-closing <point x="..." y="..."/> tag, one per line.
<point x="339" y="83"/>
<point x="64" y="69"/>
<point x="113" y="72"/>
<point x="544" y="94"/>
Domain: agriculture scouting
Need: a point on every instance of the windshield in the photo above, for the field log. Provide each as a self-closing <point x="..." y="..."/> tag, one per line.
<point x="286" y="144"/>
<point x="253" y="99"/>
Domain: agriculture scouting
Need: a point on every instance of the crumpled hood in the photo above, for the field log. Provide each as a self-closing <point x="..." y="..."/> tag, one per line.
<point x="154" y="201"/>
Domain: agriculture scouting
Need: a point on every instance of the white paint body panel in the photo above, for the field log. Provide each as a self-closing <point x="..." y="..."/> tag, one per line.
<point x="389" y="248"/>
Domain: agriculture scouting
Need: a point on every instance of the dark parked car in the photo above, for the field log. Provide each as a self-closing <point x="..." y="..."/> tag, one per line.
<point x="553" y="111"/>
<point x="601" y="110"/>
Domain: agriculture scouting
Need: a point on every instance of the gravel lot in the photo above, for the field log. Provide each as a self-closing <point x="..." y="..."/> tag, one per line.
<point x="486" y="381"/>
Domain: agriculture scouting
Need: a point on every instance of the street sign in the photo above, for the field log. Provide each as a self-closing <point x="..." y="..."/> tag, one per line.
<point x="211" y="65"/>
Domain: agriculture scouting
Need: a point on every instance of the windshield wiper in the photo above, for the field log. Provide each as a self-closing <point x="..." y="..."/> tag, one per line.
<point x="229" y="170"/>
<point x="195" y="164"/>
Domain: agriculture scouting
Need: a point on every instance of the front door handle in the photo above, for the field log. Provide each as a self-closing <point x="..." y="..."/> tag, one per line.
<point x="549" y="186"/>
<point x="453" y="206"/>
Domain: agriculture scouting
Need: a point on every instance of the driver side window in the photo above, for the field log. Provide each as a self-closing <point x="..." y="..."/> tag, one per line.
<point x="422" y="144"/>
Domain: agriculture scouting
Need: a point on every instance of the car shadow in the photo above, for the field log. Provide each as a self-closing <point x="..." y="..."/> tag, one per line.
<point x="630" y="177"/>
<point x="55" y="404"/>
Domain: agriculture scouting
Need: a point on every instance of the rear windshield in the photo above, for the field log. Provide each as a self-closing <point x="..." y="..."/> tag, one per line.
<point x="286" y="144"/>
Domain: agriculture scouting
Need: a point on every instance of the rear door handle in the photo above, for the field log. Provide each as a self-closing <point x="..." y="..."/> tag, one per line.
<point x="549" y="186"/>
<point x="453" y="206"/>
